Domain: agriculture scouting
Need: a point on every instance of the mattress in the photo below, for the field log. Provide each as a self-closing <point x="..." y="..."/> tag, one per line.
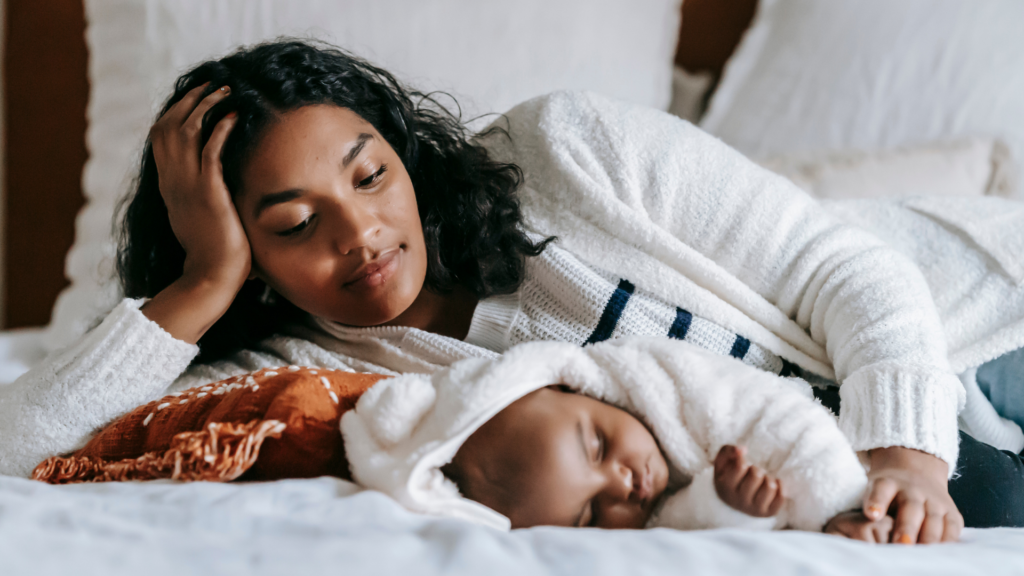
<point x="327" y="525"/>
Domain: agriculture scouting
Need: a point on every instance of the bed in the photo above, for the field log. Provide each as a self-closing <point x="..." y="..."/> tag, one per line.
<point x="784" y="102"/>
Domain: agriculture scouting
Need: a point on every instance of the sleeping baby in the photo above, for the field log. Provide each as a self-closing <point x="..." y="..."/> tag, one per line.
<point x="557" y="458"/>
<point x="636" y="433"/>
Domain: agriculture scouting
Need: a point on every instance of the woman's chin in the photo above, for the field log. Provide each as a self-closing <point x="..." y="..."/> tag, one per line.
<point x="367" y="316"/>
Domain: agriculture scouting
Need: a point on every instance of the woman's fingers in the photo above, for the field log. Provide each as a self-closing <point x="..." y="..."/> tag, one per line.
<point x="194" y="123"/>
<point x="879" y="498"/>
<point x="909" y="518"/>
<point x="180" y="110"/>
<point x="211" y="152"/>
<point x="954" y="524"/>
<point x="933" y="527"/>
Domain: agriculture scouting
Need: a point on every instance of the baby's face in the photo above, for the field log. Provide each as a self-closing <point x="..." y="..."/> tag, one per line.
<point x="556" y="458"/>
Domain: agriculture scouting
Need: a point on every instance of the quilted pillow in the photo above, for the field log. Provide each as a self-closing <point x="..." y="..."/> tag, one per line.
<point x="271" y="424"/>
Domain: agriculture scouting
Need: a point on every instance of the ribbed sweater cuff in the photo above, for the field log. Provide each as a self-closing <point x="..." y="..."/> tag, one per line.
<point x="885" y="406"/>
<point x="492" y="321"/>
<point x="125" y="361"/>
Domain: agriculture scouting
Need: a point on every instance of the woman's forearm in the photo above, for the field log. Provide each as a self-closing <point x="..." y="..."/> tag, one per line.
<point x="55" y="407"/>
<point x="190" y="306"/>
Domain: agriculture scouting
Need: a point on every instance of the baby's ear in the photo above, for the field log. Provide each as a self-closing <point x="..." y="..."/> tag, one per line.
<point x="561" y="388"/>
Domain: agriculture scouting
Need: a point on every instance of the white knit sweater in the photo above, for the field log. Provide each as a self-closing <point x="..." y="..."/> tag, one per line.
<point x="566" y="300"/>
<point x="653" y="199"/>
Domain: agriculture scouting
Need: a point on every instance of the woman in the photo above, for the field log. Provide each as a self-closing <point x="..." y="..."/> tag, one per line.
<point x="293" y="189"/>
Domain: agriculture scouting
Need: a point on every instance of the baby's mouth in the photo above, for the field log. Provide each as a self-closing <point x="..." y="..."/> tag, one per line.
<point x="644" y="486"/>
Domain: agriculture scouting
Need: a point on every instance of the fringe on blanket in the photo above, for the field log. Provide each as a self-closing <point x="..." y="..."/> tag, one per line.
<point x="220" y="453"/>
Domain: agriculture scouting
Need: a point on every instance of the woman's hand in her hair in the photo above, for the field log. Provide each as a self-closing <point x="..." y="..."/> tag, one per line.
<point x="202" y="216"/>
<point x="199" y="205"/>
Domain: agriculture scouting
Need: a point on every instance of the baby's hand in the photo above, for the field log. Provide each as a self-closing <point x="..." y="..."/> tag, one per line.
<point x="745" y="487"/>
<point x="857" y="526"/>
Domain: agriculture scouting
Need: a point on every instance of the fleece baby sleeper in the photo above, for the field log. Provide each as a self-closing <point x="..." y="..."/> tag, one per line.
<point x="403" y="430"/>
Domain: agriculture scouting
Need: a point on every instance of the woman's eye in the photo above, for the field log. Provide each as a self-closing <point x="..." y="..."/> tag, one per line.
<point x="373" y="178"/>
<point x="599" y="456"/>
<point x="296" y="229"/>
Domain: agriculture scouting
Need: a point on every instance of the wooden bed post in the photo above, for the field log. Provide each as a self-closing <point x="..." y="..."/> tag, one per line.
<point x="45" y="93"/>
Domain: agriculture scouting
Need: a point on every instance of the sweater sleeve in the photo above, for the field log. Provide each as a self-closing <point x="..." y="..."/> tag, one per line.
<point x="652" y="180"/>
<point x="55" y="407"/>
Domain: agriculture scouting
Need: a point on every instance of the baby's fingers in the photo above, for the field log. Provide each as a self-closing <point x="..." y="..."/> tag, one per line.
<point x="730" y="465"/>
<point x="778" y="501"/>
<point x="766" y="497"/>
<point x="882" y="529"/>
<point x="751" y="484"/>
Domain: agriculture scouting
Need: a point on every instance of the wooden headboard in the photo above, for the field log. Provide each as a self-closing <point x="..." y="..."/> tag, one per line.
<point x="46" y="89"/>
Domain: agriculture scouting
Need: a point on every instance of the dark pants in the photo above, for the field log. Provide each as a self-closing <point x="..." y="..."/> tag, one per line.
<point x="988" y="487"/>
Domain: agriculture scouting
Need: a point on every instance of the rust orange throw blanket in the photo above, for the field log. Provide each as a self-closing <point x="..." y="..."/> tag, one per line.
<point x="271" y="424"/>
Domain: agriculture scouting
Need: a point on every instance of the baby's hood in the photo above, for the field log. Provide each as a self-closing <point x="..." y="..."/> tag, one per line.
<point x="404" y="429"/>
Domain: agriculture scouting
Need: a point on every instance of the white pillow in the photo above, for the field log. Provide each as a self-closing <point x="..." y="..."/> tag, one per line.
<point x="816" y="75"/>
<point x="964" y="167"/>
<point x="491" y="55"/>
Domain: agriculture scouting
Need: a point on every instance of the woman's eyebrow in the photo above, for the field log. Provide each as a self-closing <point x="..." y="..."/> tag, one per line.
<point x="268" y="200"/>
<point x="361" y="141"/>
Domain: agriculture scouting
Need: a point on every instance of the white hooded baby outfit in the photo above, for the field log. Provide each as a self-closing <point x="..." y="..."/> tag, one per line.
<point x="404" y="429"/>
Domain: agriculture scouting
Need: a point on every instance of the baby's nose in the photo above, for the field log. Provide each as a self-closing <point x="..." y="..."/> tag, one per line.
<point x="625" y="481"/>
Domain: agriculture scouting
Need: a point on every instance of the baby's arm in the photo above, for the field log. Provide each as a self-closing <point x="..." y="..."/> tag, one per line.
<point x="746" y="487"/>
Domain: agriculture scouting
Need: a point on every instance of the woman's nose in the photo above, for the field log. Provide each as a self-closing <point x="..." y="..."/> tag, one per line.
<point x="356" y="228"/>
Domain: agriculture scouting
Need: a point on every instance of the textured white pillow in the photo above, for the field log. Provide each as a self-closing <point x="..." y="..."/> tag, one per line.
<point x="816" y="75"/>
<point x="964" y="167"/>
<point x="491" y="55"/>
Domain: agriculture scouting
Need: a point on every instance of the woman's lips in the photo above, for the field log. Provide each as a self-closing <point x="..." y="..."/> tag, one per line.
<point x="375" y="273"/>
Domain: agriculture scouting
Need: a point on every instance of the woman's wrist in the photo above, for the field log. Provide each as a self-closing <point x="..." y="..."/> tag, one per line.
<point x="907" y="458"/>
<point x="189" y="306"/>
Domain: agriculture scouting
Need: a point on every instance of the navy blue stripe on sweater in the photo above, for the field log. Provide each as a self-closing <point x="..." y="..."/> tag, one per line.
<point x="788" y="368"/>
<point x="612" y="312"/>
<point x="681" y="325"/>
<point x="740" y="347"/>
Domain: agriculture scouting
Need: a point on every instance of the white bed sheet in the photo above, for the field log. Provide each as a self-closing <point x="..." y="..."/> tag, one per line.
<point x="327" y="526"/>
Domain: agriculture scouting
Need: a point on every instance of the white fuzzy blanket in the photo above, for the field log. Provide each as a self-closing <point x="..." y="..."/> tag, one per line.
<point x="404" y="429"/>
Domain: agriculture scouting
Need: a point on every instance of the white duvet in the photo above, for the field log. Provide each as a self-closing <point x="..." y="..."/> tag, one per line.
<point x="327" y="526"/>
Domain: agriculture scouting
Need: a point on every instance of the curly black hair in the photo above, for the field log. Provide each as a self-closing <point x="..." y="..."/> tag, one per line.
<point x="472" y="223"/>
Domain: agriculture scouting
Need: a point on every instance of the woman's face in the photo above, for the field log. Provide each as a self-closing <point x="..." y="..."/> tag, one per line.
<point x="331" y="217"/>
